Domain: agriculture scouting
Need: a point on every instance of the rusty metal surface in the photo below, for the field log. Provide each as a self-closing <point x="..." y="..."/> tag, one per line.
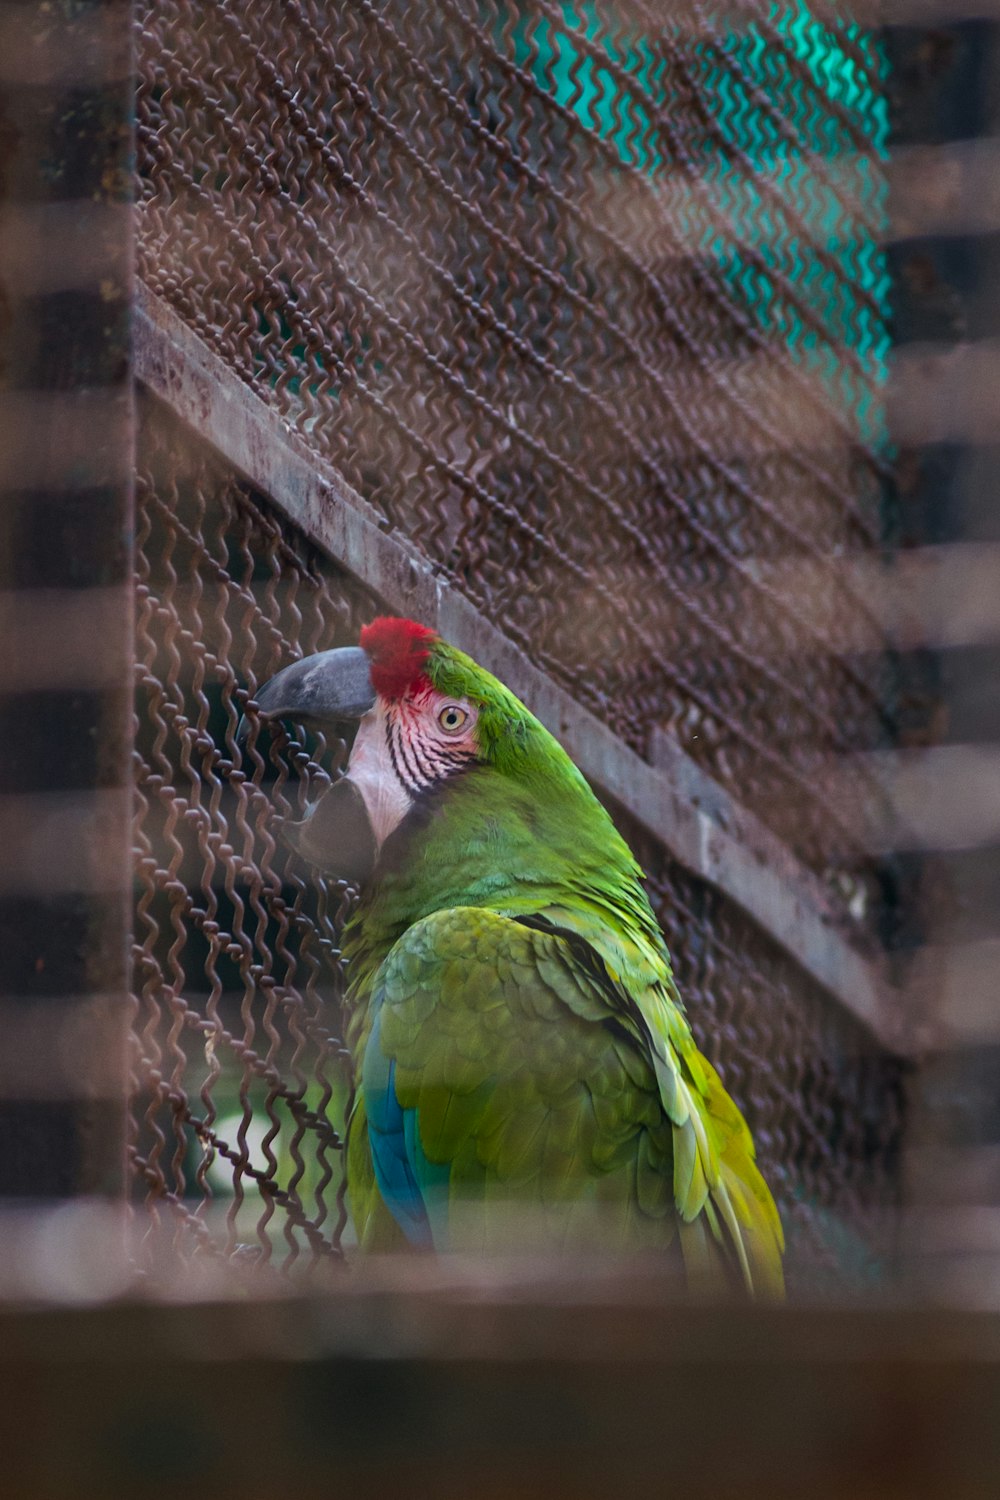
<point x="239" y="1084"/>
<point x="586" y="302"/>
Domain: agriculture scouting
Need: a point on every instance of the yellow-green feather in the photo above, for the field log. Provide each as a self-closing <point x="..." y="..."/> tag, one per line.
<point x="556" y="1104"/>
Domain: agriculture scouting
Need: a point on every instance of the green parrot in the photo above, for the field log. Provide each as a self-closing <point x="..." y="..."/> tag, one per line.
<point x="525" y="1074"/>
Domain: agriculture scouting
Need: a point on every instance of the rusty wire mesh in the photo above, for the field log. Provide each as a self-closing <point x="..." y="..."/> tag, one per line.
<point x="589" y="302"/>
<point x="239" y="1084"/>
<point x="590" y="305"/>
<point x="827" y="1105"/>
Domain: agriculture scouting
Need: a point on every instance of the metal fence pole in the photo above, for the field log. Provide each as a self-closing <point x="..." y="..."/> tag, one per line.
<point x="65" y="606"/>
<point x="946" y="273"/>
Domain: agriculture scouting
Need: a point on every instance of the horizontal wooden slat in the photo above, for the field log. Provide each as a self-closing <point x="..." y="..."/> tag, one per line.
<point x="579" y="1389"/>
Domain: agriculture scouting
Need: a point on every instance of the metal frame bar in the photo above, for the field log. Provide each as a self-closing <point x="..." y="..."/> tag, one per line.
<point x="66" y="463"/>
<point x="681" y="806"/>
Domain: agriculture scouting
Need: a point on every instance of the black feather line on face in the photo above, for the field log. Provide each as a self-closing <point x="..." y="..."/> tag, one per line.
<point x="418" y="762"/>
<point x="442" y="763"/>
<point x="427" y="773"/>
<point x="397" y="754"/>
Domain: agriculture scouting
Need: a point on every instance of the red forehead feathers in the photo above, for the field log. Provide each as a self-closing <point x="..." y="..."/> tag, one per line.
<point x="398" y="649"/>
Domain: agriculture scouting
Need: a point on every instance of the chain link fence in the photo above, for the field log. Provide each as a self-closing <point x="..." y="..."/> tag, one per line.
<point x="589" y="305"/>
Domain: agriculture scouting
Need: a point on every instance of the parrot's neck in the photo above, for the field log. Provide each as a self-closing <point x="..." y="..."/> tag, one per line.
<point x="490" y="841"/>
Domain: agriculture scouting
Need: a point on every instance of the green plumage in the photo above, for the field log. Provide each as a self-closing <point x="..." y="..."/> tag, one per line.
<point x="512" y="987"/>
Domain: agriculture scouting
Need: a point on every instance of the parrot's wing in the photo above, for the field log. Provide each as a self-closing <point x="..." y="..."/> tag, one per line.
<point x="509" y="1092"/>
<point x="714" y="1171"/>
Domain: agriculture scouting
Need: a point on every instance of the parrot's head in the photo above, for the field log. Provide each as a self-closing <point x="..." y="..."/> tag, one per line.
<point x="427" y="714"/>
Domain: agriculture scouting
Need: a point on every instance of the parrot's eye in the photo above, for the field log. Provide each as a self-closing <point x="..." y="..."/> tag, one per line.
<point x="453" y="719"/>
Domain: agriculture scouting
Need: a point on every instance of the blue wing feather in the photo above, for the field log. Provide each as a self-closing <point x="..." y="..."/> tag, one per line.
<point x="406" y="1179"/>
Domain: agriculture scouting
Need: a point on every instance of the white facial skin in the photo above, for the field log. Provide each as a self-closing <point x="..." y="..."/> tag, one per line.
<point x="407" y="746"/>
<point x="370" y="768"/>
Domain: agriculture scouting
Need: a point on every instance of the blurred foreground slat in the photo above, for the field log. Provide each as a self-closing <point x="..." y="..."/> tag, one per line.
<point x="66" y="461"/>
<point x="397" y="1392"/>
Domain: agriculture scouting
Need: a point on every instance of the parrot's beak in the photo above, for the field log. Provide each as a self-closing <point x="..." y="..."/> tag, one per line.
<point x="336" y="835"/>
<point x="332" y="685"/>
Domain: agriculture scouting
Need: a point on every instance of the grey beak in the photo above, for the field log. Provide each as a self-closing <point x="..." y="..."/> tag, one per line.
<point x="330" y="685"/>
